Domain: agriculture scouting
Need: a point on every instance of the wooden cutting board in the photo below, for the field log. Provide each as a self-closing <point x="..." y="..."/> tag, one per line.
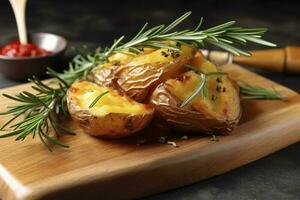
<point x="104" y="169"/>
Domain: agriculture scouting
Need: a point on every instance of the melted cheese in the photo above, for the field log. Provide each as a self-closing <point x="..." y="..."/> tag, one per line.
<point x="86" y="92"/>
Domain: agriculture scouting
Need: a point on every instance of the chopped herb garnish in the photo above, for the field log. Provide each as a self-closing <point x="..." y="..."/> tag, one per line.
<point x="164" y="54"/>
<point x="174" y="54"/>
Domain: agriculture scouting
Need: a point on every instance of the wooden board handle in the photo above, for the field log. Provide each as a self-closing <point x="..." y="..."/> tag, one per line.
<point x="284" y="60"/>
<point x="292" y="59"/>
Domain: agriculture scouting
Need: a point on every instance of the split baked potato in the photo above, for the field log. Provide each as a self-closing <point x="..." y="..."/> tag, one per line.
<point x="137" y="76"/>
<point x="112" y="116"/>
<point x="163" y="83"/>
<point x="215" y="112"/>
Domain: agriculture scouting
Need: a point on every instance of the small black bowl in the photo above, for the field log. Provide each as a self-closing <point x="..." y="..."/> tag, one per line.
<point x="20" y="68"/>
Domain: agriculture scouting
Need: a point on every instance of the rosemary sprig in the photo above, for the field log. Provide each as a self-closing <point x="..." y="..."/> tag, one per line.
<point x="224" y="36"/>
<point x="40" y="110"/>
<point x="42" y="107"/>
<point x="258" y="93"/>
<point x="80" y="66"/>
<point x="98" y="98"/>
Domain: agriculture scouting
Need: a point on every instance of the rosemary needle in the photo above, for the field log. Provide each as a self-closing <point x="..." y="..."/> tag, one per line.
<point x="98" y="98"/>
<point x="196" y="92"/>
<point x="202" y="87"/>
<point x="258" y="93"/>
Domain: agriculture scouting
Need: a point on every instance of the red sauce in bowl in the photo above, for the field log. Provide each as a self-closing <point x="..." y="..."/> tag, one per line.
<point x="16" y="49"/>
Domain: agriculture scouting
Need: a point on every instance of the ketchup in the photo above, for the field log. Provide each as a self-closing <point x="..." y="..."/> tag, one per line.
<point x="16" y="49"/>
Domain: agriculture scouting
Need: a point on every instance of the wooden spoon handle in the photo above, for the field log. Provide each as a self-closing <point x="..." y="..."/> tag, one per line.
<point x="284" y="60"/>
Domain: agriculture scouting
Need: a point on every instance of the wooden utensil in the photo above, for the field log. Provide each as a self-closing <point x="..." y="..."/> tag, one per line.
<point x="19" y="11"/>
<point x="283" y="60"/>
<point x="103" y="169"/>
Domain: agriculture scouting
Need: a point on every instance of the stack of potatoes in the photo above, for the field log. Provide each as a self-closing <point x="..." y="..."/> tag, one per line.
<point x="150" y="85"/>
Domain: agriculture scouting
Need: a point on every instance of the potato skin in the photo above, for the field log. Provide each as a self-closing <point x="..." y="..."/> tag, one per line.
<point x="167" y="108"/>
<point x="137" y="79"/>
<point x="112" y="125"/>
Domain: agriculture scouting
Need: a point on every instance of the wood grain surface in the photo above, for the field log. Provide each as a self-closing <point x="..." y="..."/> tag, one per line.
<point x="104" y="169"/>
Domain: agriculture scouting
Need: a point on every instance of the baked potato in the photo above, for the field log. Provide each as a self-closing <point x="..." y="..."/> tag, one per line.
<point x="112" y="116"/>
<point x="216" y="112"/>
<point x="141" y="74"/>
<point x="202" y="64"/>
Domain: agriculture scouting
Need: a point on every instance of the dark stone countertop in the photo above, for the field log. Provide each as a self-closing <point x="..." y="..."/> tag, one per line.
<point x="274" y="177"/>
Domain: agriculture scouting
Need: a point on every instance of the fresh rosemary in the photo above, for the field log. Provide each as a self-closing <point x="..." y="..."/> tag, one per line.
<point x="224" y="36"/>
<point x="98" y="98"/>
<point x="259" y="93"/>
<point x="79" y="67"/>
<point x="42" y="107"/>
<point x="199" y="89"/>
<point x="41" y="112"/>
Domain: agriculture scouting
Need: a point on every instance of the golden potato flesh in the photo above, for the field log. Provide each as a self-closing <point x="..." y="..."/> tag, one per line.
<point x="123" y="58"/>
<point x="118" y="59"/>
<point x="139" y="77"/>
<point x="113" y="116"/>
<point x="201" y="63"/>
<point x="217" y="112"/>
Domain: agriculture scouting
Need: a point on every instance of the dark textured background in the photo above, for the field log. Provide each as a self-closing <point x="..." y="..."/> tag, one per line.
<point x="98" y="22"/>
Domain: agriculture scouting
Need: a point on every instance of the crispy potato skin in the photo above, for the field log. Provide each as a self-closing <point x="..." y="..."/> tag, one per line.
<point x="146" y="78"/>
<point x="112" y="125"/>
<point x="138" y="78"/>
<point x="167" y="108"/>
